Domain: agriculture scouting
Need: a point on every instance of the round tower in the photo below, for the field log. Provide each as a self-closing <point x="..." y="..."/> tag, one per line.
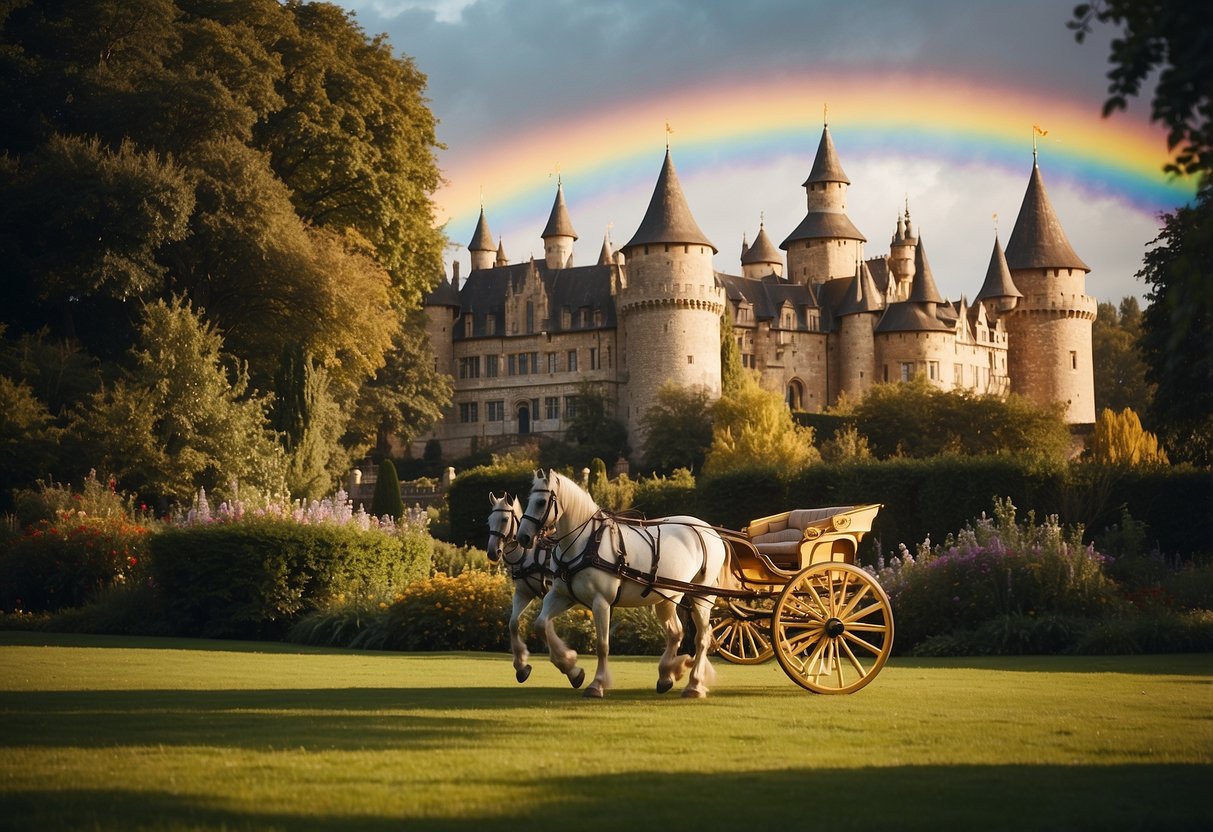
<point x="670" y="308"/>
<point x="901" y="256"/>
<point x="1049" y="330"/>
<point x="481" y="248"/>
<point x="762" y="258"/>
<point x="826" y="244"/>
<point x="558" y="235"/>
<point x="857" y="316"/>
<point x="441" y="311"/>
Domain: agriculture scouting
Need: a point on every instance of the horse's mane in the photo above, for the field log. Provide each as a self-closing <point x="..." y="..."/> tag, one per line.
<point x="575" y="501"/>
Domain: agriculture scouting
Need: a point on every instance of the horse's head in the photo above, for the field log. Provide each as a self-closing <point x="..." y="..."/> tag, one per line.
<point x="504" y="514"/>
<point x="540" y="509"/>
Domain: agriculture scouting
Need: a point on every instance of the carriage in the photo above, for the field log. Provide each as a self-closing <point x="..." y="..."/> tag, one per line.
<point x="787" y="585"/>
<point x="792" y="591"/>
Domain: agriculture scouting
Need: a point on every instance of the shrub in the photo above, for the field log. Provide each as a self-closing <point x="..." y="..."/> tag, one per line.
<point x="132" y="608"/>
<point x="254" y="578"/>
<point x="453" y="560"/>
<point x="996" y="569"/>
<point x="357" y="622"/>
<point x="1191" y="587"/>
<point x="470" y="611"/>
<point x="467" y="498"/>
<point x="386" y="500"/>
<point x="67" y="561"/>
<point x="665" y="496"/>
<point x="50" y="500"/>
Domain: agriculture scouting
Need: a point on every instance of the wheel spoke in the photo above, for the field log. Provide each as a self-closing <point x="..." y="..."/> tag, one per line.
<point x="854" y="660"/>
<point x="860" y="594"/>
<point x="806" y="636"/>
<point x="816" y="609"/>
<point x="866" y="645"/>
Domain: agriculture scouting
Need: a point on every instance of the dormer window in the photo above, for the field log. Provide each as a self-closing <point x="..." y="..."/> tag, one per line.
<point x="468" y="323"/>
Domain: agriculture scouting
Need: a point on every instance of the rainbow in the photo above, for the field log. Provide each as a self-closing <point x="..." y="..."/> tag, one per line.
<point x="746" y="125"/>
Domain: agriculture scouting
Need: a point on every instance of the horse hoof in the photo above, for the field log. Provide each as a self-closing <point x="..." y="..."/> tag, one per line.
<point x="579" y="680"/>
<point x="664" y="685"/>
<point x="523" y="674"/>
<point x="593" y="692"/>
<point x="692" y="693"/>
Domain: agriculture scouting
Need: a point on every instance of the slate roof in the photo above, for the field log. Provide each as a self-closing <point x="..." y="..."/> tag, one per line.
<point x="444" y="294"/>
<point x="908" y="316"/>
<point x="483" y="294"/>
<point x="482" y="240"/>
<point x="824" y="224"/>
<point x="862" y="295"/>
<point x="826" y="167"/>
<point x="668" y="218"/>
<point x="559" y="224"/>
<point x="768" y="294"/>
<point x="923" y="289"/>
<point x="998" y="282"/>
<point x="1038" y="241"/>
<point x="762" y="250"/>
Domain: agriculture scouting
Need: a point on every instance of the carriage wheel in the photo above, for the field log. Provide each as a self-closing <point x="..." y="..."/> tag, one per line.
<point x="833" y="628"/>
<point x="741" y="631"/>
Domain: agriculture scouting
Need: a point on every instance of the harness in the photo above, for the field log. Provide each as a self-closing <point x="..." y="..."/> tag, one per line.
<point x="537" y="572"/>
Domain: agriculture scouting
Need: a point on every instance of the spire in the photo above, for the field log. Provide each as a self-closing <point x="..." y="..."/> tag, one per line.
<point x="745" y="245"/>
<point x="1038" y="240"/>
<point x="863" y="296"/>
<point x="502" y="260"/>
<point x="559" y="224"/>
<point x="923" y="290"/>
<point x="668" y="218"/>
<point x="606" y="257"/>
<point x="482" y="240"/>
<point x="998" y="282"/>
<point x="826" y="167"/>
<point x="762" y="251"/>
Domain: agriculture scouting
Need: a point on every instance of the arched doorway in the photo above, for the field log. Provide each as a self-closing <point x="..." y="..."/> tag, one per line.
<point x="795" y="397"/>
<point x="524" y="419"/>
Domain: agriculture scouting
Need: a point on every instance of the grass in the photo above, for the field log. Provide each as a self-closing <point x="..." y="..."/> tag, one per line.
<point x="141" y="734"/>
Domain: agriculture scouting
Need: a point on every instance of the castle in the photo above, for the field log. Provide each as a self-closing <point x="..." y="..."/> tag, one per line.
<point x="519" y="339"/>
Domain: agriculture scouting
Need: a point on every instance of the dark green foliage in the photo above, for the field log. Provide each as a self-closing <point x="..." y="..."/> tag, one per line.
<point x="453" y="560"/>
<point x="678" y="428"/>
<point x="386" y="500"/>
<point x="734" y="498"/>
<point x="467" y="498"/>
<point x="1120" y="372"/>
<point x="665" y="496"/>
<point x="253" y="579"/>
<point x="594" y="429"/>
<point x="731" y="371"/>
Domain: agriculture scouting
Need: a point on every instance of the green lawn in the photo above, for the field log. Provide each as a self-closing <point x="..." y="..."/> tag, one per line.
<point x="117" y="733"/>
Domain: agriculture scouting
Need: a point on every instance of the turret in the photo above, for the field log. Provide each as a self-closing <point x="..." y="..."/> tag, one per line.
<point x="501" y="260"/>
<point x="670" y="307"/>
<point x="761" y="258"/>
<point x="481" y="248"/>
<point x="441" y="311"/>
<point x="901" y="256"/>
<point x="606" y="257"/>
<point x="857" y="315"/>
<point x="998" y="293"/>
<point x="826" y="244"/>
<point x="1049" y="330"/>
<point x="559" y="236"/>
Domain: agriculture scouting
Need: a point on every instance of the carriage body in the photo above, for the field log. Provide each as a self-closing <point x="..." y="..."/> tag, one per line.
<point x="792" y="590"/>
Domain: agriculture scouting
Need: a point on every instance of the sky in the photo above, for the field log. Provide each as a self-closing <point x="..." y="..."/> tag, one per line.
<point x="932" y="104"/>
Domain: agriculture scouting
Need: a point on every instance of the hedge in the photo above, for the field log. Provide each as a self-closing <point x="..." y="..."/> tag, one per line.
<point x="467" y="499"/>
<point x="253" y="579"/>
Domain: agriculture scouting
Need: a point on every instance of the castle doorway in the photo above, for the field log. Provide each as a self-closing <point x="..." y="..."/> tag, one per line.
<point x="524" y="419"/>
<point x="795" y="395"/>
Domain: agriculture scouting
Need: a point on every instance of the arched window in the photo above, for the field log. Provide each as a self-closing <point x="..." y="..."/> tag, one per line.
<point x="524" y="419"/>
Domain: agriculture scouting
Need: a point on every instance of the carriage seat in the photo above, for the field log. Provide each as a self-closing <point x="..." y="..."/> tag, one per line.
<point x="782" y="537"/>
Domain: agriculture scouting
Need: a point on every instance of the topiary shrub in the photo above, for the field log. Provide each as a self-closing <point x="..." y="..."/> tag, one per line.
<point x="386" y="500"/>
<point x="254" y="578"/>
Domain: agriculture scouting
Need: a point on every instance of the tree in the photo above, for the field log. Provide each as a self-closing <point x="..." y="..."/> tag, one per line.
<point x="386" y="502"/>
<point x="1120" y="440"/>
<point x="182" y="418"/>
<point x="731" y="371"/>
<point x="754" y="428"/>
<point x="594" y="429"/>
<point x="1120" y="373"/>
<point x="28" y="438"/>
<point x="678" y="428"/>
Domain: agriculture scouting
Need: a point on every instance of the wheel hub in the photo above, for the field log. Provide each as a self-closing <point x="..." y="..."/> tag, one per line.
<point x="835" y="628"/>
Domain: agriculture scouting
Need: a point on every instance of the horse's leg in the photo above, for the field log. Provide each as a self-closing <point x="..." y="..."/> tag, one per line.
<point x="561" y="655"/>
<point x="672" y="666"/>
<point x="701" y="669"/>
<point x="602" y="631"/>
<point x="522" y="597"/>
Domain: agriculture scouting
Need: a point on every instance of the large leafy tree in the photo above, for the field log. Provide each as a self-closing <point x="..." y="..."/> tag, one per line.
<point x="754" y="428"/>
<point x="1120" y="372"/>
<point x="1167" y="42"/>
<point x="678" y="428"/>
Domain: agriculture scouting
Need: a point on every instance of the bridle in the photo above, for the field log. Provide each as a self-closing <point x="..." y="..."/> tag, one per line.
<point x="551" y="508"/>
<point x="510" y="533"/>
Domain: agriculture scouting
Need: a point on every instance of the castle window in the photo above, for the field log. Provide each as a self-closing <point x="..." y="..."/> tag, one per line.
<point x="570" y="407"/>
<point x="594" y="359"/>
<point x="690" y="359"/>
<point x="551" y="364"/>
<point x="490" y="365"/>
<point x="551" y="407"/>
<point x="522" y="364"/>
<point x="958" y="375"/>
<point x="469" y="412"/>
<point x="571" y="361"/>
<point x="535" y="365"/>
<point x="469" y="367"/>
<point x="907" y="370"/>
<point x="608" y="357"/>
<point x="496" y="412"/>
<point x="511" y="365"/>
<point x="1073" y="360"/>
<point x="468" y="321"/>
<point x="597" y="317"/>
<point x="886" y="372"/>
<point x="530" y="317"/>
<point x="933" y="371"/>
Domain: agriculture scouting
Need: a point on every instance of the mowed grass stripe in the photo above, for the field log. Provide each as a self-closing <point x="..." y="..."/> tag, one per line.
<point x="115" y="733"/>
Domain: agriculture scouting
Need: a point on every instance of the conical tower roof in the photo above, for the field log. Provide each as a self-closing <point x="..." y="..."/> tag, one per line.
<point x="445" y="293"/>
<point x="606" y="257"/>
<point x="863" y="295"/>
<point x="482" y="240"/>
<point x="762" y="250"/>
<point x="668" y="218"/>
<point x="998" y="282"/>
<point x="559" y="224"/>
<point x="826" y="167"/>
<point x="923" y="290"/>
<point x="502" y="260"/>
<point x="1038" y="240"/>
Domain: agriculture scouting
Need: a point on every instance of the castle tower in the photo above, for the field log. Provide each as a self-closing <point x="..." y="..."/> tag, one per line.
<point x="998" y="293"/>
<point x="441" y="312"/>
<point x="1049" y="331"/>
<point x="670" y="308"/>
<point x="910" y="337"/>
<point x="762" y="258"/>
<point x="501" y="260"/>
<point x="858" y="314"/>
<point x="482" y="250"/>
<point x="606" y="257"/>
<point x="559" y="236"/>
<point x="826" y="244"/>
<point x="901" y="256"/>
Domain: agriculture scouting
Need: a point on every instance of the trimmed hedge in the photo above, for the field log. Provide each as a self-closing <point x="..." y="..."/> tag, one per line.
<point x="467" y="499"/>
<point x="254" y="578"/>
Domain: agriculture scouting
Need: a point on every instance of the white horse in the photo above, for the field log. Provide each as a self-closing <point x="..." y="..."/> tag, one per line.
<point x="602" y="561"/>
<point x="531" y="571"/>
